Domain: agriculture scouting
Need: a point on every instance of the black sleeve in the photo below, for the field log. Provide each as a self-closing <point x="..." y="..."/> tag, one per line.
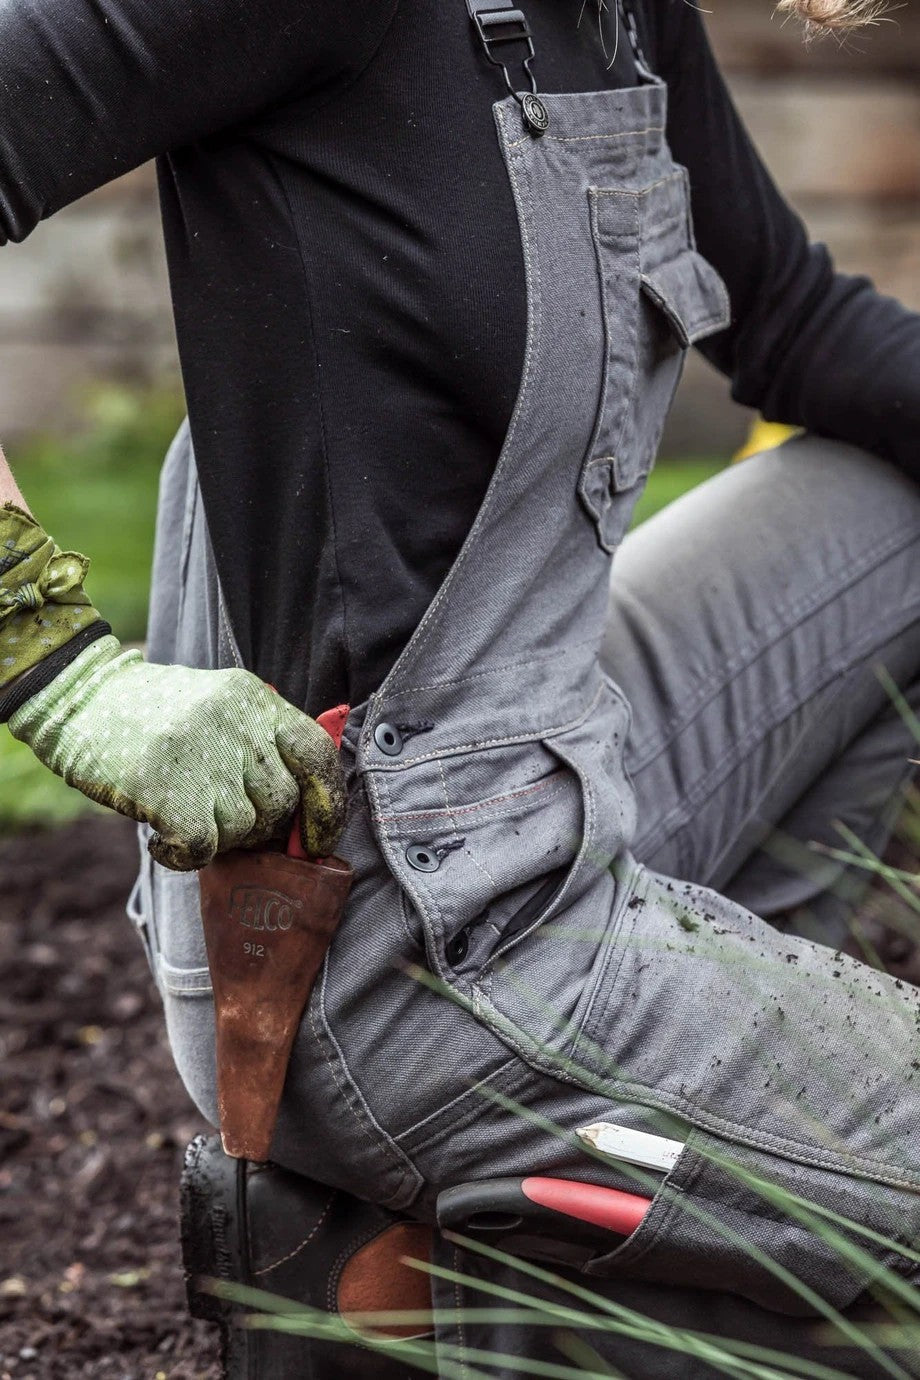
<point x="806" y="346"/>
<point x="92" y="88"/>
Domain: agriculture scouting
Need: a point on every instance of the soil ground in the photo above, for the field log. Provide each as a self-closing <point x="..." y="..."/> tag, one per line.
<point x="94" y="1121"/>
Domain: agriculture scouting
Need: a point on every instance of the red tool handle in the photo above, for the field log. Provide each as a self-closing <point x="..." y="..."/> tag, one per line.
<point x="604" y="1207"/>
<point x="333" y="721"/>
<point x="560" y="1220"/>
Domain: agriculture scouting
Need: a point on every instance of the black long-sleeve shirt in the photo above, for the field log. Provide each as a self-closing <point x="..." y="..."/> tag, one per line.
<point x="348" y="284"/>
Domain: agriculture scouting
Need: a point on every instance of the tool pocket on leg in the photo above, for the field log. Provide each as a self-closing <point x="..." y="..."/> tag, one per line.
<point x="792" y="1068"/>
<point x="736" y="1220"/>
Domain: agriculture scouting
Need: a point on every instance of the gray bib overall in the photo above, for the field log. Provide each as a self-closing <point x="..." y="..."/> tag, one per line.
<point x="506" y="972"/>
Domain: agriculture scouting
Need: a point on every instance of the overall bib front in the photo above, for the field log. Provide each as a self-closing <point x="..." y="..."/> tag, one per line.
<point x="505" y="971"/>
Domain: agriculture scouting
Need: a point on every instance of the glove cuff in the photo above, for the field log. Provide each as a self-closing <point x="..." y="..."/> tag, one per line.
<point x="43" y="605"/>
<point x="51" y="704"/>
<point x="22" y="689"/>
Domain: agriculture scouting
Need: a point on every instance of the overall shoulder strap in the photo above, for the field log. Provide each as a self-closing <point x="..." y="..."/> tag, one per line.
<point x="502" y="27"/>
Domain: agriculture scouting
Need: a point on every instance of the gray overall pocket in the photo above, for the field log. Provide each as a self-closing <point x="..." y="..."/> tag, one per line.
<point x="717" y="1223"/>
<point x="793" y="1070"/>
<point x="658" y="296"/>
<point x="499" y="840"/>
<point x="490" y="834"/>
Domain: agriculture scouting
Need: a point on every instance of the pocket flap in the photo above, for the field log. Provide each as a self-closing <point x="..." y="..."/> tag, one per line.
<point x="692" y="296"/>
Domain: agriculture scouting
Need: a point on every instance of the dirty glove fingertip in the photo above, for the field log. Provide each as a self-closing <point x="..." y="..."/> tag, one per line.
<point x="179" y="856"/>
<point x="322" y="815"/>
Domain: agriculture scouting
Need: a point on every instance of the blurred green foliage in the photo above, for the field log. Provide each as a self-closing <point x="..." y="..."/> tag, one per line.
<point x="96" y="493"/>
<point x="671" y="478"/>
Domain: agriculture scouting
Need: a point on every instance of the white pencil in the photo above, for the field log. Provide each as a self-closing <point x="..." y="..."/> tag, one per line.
<point x="634" y="1147"/>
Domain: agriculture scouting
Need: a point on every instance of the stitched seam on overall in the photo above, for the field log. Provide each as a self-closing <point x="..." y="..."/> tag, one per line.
<point x="684" y="848"/>
<point x="616" y="925"/>
<point x="675" y="219"/>
<point x="628" y="390"/>
<point x="759" y="1210"/>
<point x="379" y="1138"/>
<point x="464" y="1368"/>
<point x="424" y="901"/>
<point x="765" y="1140"/>
<point x="376" y="789"/>
<point x="267" y="1269"/>
<point x="587" y="138"/>
<point x="468" y="851"/>
<point x="546" y="792"/>
<point x="182" y="982"/>
<point x="647" y="1096"/>
<point x="532" y="276"/>
<point x="779" y="627"/>
<point x="771" y="718"/>
<point x="693" y="325"/>
<point x="406" y="897"/>
<point x="666" y="1203"/>
<point x="517" y="664"/>
<point x="714" y="319"/>
<point x="404" y="918"/>
<point x="496" y="1075"/>
<point x="539" y="734"/>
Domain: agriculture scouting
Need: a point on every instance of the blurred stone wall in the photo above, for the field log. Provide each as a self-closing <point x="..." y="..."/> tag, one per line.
<point x="86" y="297"/>
<point x="838" y="123"/>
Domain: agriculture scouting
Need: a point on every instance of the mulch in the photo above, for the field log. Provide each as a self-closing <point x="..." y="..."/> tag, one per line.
<point x="94" y="1120"/>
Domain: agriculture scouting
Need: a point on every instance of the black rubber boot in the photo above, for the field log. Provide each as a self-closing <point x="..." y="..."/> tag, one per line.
<point x="262" y="1226"/>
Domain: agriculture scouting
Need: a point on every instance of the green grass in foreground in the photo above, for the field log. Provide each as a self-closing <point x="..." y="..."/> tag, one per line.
<point x="97" y="494"/>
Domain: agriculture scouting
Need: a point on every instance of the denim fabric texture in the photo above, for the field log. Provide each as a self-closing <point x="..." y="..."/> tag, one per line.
<point x="592" y="985"/>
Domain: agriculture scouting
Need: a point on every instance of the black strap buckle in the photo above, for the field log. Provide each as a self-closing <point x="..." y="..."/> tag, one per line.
<point x="498" y="26"/>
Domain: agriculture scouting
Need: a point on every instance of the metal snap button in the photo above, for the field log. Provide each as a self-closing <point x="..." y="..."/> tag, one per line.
<point x="422" y="857"/>
<point x="389" y="739"/>
<point x="536" y="115"/>
<point x="456" y="949"/>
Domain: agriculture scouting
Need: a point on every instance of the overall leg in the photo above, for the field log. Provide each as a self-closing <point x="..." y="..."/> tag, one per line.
<point x="747" y="650"/>
<point x="747" y="623"/>
<point x="748" y="626"/>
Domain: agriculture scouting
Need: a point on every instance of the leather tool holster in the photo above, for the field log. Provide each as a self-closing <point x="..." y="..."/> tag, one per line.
<point x="268" y="922"/>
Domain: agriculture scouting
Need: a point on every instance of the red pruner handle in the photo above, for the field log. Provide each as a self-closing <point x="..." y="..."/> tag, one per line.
<point x="333" y="721"/>
<point x="558" y="1220"/>
<point x="609" y="1208"/>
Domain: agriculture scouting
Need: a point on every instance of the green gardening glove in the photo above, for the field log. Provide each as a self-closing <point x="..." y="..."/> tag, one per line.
<point x="211" y="759"/>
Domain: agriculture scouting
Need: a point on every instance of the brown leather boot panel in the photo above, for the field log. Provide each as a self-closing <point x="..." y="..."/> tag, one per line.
<point x="375" y="1280"/>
